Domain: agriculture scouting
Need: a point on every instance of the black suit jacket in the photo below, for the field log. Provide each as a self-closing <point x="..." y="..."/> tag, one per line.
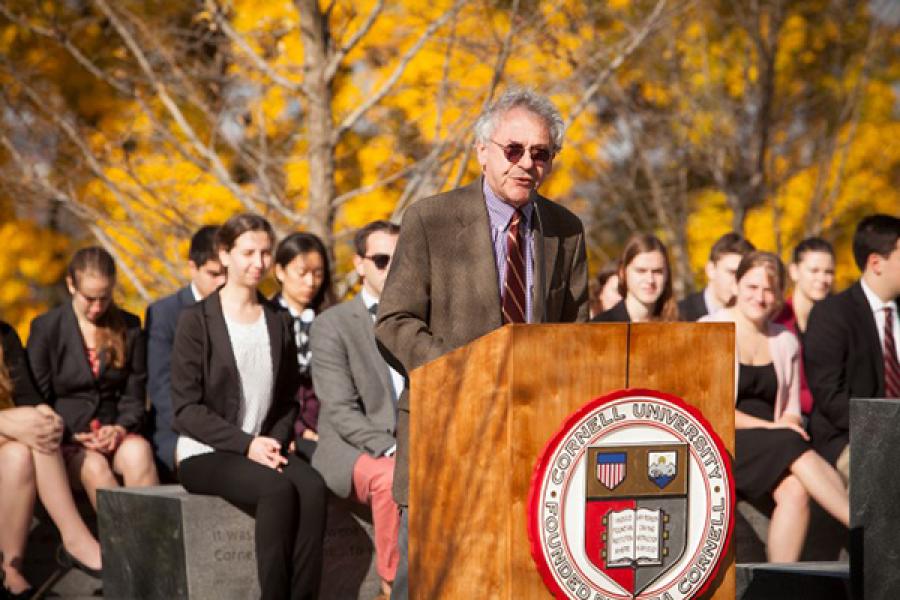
<point x="64" y="378"/>
<point x="616" y="314"/>
<point x="24" y="391"/>
<point x="206" y="386"/>
<point x="162" y="317"/>
<point x="843" y="359"/>
<point x="693" y="307"/>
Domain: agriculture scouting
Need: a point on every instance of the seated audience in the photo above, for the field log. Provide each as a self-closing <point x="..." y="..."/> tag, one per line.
<point x="359" y="393"/>
<point x="812" y="271"/>
<point x="234" y="377"/>
<point x="302" y="270"/>
<point x="30" y="462"/>
<point x="772" y="450"/>
<point x="604" y="290"/>
<point x="851" y="341"/>
<point x="645" y="284"/>
<point x="88" y="360"/>
<point x="162" y="316"/>
<point x="724" y="258"/>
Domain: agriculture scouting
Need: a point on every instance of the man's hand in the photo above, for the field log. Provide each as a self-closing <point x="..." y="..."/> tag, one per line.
<point x="267" y="452"/>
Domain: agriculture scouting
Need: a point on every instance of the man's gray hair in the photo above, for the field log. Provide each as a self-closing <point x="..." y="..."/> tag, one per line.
<point x="535" y="103"/>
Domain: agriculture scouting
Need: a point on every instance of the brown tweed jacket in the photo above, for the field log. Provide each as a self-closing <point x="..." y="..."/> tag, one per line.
<point x="442" y="291"/>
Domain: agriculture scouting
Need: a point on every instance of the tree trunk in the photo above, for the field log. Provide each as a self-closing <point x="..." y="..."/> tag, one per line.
<point x="319" y="120"/>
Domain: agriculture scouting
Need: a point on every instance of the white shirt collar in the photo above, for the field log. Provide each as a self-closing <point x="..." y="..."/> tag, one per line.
<point x="196" y="293"/>
<point x="875" y="303"/>
<point x="368" y="299"/>
<point x="307" y="315"/>
<point x="712" y="305"/>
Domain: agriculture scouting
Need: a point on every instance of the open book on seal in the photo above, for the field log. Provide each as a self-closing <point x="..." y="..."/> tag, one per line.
<point x="634" y="537"/>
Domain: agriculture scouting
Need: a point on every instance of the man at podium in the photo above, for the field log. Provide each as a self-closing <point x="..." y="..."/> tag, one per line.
<point x="475" y="258"/>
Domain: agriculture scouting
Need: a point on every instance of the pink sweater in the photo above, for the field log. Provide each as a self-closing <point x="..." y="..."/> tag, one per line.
<point x="785" y="350"/>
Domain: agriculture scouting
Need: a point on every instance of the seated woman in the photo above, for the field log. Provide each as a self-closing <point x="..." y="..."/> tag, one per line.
<point x="88" y="360"/>
<point x="234" y="377"/>
<point x="772" y="450"/>
<point x="30" y="462"/>
<point x="812" y="271"/>
<point x="302" y="269"/>
<point x="645" y="284"/>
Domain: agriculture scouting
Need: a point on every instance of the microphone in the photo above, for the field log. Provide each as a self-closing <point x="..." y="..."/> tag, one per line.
<point x="542" y="267"/>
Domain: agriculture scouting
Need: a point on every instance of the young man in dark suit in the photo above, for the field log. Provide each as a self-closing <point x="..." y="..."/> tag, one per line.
<point x="207" y="274"/>
<point x="724" y="258"/>
<point x="850" y="347"/>
<point x="358" y="392"/>
<point x="477" y="257"/>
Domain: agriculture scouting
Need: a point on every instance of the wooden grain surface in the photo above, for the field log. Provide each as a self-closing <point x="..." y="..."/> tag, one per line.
<point x="481" y="415"/>
<point x="694" y="361"/>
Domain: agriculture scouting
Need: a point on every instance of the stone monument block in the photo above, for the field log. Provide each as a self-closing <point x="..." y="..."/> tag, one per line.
<point x="163" y="542"/>
<point x="874" y="498"/>
<point x="793" y="581"/>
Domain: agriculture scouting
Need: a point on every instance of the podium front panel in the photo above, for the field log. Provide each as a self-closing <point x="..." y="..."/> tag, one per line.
<point x="481" y="415"/>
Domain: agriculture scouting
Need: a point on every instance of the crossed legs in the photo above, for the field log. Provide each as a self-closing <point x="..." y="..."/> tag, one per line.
<point x="24" y="471"/>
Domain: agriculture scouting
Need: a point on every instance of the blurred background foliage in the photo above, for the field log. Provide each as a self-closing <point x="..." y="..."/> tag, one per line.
<point x="132" y="123"/>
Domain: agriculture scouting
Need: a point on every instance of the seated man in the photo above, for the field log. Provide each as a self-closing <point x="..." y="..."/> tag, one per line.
<point x="358" y="393"/>
<point x="207" y="274"/>
<point x="724" y="258"/>
<point x="850" y="347"/>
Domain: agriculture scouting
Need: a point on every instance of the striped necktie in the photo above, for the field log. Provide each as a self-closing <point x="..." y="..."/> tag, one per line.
<point x="891" y="368"/>
<point x="513" y="301"/>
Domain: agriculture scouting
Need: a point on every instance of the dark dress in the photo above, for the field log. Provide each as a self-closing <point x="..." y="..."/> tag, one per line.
<point x="762" y="456"/>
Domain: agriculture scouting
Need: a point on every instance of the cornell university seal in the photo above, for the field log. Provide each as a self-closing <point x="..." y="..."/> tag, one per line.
<point x="632" y="498"/>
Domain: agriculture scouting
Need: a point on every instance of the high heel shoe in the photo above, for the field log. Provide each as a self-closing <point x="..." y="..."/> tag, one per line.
<point x="67" y="561"/>
<point x="5" y="594"/>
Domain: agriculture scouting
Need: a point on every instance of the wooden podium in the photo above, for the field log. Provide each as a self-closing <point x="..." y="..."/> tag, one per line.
<point x="481" y="415"/>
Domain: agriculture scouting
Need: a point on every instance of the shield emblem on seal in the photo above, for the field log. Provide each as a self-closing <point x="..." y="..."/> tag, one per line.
<point x="637" y="529"/>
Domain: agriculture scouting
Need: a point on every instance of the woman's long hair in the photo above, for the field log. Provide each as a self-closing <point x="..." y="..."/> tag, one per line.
<point x="111" y="324"/>
<point x="6" y="382"/>
<point x="665" y="308"/>
<point x="303" y="243"/>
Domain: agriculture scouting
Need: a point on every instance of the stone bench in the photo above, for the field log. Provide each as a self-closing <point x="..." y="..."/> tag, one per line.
<point x="826" y="538"/>
<point x="793" y="581"/>
<point x="163" y="542"/>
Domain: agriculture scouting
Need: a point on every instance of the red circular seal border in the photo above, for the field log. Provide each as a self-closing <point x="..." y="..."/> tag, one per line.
<point x="531" y="506"/>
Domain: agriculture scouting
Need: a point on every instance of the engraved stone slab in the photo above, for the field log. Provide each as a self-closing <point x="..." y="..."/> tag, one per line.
<point x="793" y="581"/>
<point x="165" y="543"/>
<point x="874" y="494"/>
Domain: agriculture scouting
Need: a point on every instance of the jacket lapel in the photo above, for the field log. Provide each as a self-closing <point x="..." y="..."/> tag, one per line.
<point x="546" y="249"/>
<point x="866" y="320"/>
<point x="75" y="342"/>
<point x="274" y="321"/>
<point x="364" y="327"/>
<point x="475" y="248"/>
<point x="219" y="340"/>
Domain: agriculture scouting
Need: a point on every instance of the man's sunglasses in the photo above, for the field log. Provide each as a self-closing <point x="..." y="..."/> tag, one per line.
<point x="381" y="261"/>
<point x="514" y="151"/>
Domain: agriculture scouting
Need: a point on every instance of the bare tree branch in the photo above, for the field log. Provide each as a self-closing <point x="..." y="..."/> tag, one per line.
<point x="162" y="93"/>
<point x="385" y="88"/>
<point x="335" y="62"/>
<point x="650" y="23"/>
<point x="258" y="62"/>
